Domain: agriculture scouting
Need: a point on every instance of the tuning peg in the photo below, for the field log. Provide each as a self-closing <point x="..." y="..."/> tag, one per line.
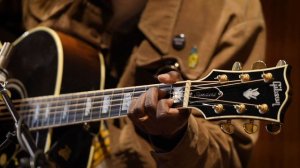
<point x="237" y="66"/>
<point x="273" y="128"/>
<point x="244" y="77"/>
<point x="222" y="78"/>
<point x="250" y="127"/>
<point x="259" y="65"/>
<point x="268" y="77"/>
<point x="227" y="127"/>
<point x="281" y="63"/>
<point x="240" y="108"/>
<point x="218" y="108"/>
<point x="262" y="108"/>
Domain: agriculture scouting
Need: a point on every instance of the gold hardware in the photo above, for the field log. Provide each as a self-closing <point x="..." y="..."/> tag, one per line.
<point x="222" y="78"/>
<point x="259" y="65"/>
<point x="250" y="127"/>
<point x="237" y="66"/>
<point x="268" y="77"/>
<point x="241" y="108"/>
<point x="263" y="108"/>
<point x="218" y="108"/>
<point x="244" y="77"/>
<point x="273" y="128"/>
<point x="227" y="127"/>
<point x="281" y="63"/>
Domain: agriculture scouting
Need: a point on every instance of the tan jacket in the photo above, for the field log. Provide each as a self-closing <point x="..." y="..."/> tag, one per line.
<point x="223" y="31"/>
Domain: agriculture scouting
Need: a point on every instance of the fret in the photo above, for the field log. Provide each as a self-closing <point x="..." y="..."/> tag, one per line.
<point x="88" y="108"/>
<point x="45" y="116"/>
<point x="63" y="108"/>
<point x="92" y="104"/>
<point x="29" y="108"/>
<point x="127" y="98"/>
<point x="139" y="90"/>
<point x="57" y="117"/>
<point x="36" y="110"/>
<point x="71" y="108"/>
<point x="25" y="112"/>
<point x="80" y="108"/>
<point x="96" y="106"/>
<point x="106" y="104"/>
<point x="41" y="114"/>
<point x="116" y="102"/>
<point x="51" y="117"/>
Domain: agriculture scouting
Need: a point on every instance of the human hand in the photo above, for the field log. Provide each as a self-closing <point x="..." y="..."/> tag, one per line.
<point x="153" y="114"/>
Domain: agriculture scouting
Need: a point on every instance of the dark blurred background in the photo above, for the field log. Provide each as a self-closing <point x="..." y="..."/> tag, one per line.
<point x="283" y="42"/>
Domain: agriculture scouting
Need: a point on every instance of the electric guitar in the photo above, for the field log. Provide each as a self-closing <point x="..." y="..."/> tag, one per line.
<point x="260" y="94"/>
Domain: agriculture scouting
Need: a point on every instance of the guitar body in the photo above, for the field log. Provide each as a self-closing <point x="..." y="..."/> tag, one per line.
<point x="45" y="62"/>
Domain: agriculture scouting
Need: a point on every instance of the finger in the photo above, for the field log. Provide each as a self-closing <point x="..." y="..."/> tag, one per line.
<point x="151" y="100"/>
<point x="163" y="107"/>
<point x="136" y="108"/>
<point x="167" y="104"/>
<point x="170" y="77"/>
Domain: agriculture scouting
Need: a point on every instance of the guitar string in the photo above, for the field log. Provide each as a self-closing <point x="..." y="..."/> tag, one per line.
<point x="57" y="99"/>
<point x="84" y="103"/>
<point x="75" y="119"/>
<point x="68" y="95"/>
<point x="59" y="107"/>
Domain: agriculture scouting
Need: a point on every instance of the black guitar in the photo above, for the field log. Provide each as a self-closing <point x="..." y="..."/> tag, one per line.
<point x="260" y="94"/>
<point x="46" y="62"/>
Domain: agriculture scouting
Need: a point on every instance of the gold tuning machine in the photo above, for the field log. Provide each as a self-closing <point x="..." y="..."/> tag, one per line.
<point x="268" y="77"/>
<point x="244" y="77"/>
<point x="281" y="63"/>
<point x="259" y="65"/>
<point x="263" y="108"/>
<point x="222" y="78"/>
<point x="250" y="127"/>
<point x="227" y="127"/>
<point x="240" y="108"/>
<point x="273" y="128"/>
<point x="237" y="66"/>
<point x="218" y="108"/>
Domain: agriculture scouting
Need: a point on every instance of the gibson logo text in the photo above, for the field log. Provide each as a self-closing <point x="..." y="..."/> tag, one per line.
<point x="277" y="87"/>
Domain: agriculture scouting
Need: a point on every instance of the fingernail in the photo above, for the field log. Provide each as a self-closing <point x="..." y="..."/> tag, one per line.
<point x="163" y="77"/>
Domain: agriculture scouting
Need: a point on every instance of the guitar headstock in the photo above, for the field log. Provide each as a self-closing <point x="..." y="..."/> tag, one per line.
<point x="258" y="94"/>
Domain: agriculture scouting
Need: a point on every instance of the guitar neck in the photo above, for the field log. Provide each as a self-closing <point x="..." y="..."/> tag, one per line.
<point x="83" y="107"/>
<point x="259" y="94"/>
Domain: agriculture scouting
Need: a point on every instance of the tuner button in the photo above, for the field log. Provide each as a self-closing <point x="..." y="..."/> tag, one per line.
<point x="273" y="128"/>
<point x="263" y="108"/>
<point x="222" y="78"/>
<point x="268" y="77"/>
<point x="259" y="65"/>
<point x="227" y="127"/>
<point x="244" y="77"/>
<point x="250" y="127"/>
<point x="241" y="108"/>
<point x="237" y="66"/>
<point x="281" y="63"/>
<point x="218" y="108"/>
